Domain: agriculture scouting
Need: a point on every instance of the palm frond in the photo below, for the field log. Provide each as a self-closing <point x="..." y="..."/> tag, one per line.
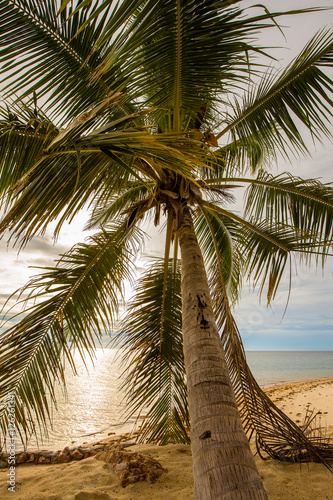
<point x="250" y="153"/>
<point x="265" y="249"/>
<point x="43" y="52"/>
<point x="265" y="259"/>
<point x="69" y="306"/>
<point x="215" y="238"/>
<point x="60" y="180"/>
<point x="287" y="201"/>
<point x="24" y="132"/>
<point x="57" y="186"/>
<point x="206" y="46"/>
<point x="65" y="179"/>
<point x="188" y="76"/>
<point x="301" y="94"/>
<point x="129" y="194"/>
<point x="173" y="151"/>
<point x="276" y="434"/>
<point x="305" y="204"/>
<point x="155" y="373"/>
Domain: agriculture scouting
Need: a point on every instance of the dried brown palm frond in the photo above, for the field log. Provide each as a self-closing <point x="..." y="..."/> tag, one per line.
<point x="311" y="425"/>
<point x="277" y="436"/>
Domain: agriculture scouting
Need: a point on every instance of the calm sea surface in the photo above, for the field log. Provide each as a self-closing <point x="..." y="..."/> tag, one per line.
<point x="94" y="405"/>
<point x="273" y="367"/>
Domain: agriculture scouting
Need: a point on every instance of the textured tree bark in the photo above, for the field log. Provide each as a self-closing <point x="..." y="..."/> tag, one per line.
<point x="223" y="464"/>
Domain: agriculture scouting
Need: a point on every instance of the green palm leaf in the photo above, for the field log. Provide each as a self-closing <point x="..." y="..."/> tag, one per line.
<point x="24" y="132"/>
<point x="52" y="54"/>
<point x="154" y="376"/>
<point x="302" y="93"/>
<point x="129" y="195"/>
<point x="205" y="47"/>
<point x="76" y="169"/>
<point x="215" y="236"/>
<point x="76" y="301"/>
<point x="266" y="248"/>
<point x="306" y="205"/>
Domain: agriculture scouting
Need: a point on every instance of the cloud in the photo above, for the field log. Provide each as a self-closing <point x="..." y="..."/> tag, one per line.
<point x="45" y="245"/>
<point x="17" y="268"/>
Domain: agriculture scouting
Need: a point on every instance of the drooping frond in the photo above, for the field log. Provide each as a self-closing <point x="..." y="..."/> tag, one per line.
<point x="57" y="186"/>
<point x="108" y="205"/>
<point x="266" y="247"/>
<point x="276" y="434"/>
<point x="175" y="152"/>
<point x="216" y="238"/>
<point x="266" y="253"/>
<point x="297" y="215"/>
<point x="155" y="373"/>
<point x="68" y="307"/>
<point x="48" y="173"/>
<point x="249" y="153"/>
<point x="77" y="169"/>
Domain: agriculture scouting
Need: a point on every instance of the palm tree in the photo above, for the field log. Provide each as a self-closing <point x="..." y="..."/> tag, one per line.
<point x="155" y="109"/>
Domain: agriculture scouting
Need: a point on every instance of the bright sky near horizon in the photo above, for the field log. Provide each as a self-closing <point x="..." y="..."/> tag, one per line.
<point x="308" y="321"/>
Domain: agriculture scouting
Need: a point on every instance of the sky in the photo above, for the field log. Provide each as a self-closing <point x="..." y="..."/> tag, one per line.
<point x="307" y="323"/>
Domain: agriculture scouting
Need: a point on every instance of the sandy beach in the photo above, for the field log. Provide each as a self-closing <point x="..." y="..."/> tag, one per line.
<point x="88" y="480"/>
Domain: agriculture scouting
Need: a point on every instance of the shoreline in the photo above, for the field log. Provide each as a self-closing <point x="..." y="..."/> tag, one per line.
<point x="88" y="479"/>
<point x="277" y="392"/>
<point x="294" y="397"/>
<point x="296" y="382"/>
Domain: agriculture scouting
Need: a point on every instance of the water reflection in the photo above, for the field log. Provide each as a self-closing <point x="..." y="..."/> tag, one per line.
<point x="93" y="406"/>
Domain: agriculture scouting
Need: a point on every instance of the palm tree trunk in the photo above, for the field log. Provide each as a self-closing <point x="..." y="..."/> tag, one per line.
<point x="223" y="464"/>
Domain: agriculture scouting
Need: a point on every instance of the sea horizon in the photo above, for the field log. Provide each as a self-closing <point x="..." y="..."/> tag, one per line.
<point x="95" y="408"/>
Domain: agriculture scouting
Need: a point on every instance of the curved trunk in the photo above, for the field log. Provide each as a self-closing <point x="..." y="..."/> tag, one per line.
<point x="223" y="464"/>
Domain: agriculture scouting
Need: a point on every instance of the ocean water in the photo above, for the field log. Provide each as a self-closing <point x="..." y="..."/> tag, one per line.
<point x="94" y="407"/>
<point x="274" y="367"/>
